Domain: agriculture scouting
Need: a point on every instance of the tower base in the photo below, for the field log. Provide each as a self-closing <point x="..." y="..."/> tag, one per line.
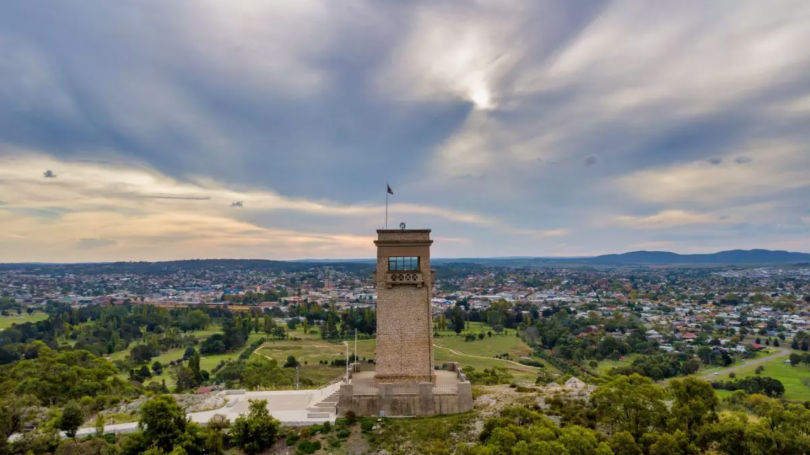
<point x="448" y="393"/>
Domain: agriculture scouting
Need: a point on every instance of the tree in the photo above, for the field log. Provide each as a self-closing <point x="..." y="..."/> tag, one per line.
<point x="291" y="362"/>
<point x="694" y="404"/>
<point x="142" y="353"/>
<point x="691" y="366"/>
<point x="71" y="419"/>
<point x="630" y="403"/>
<point x="15" y="413"/>
<point x="256" y="431"/>
<point x="458" y="319"/>
<point x="162" y="422"/>
<point x="143" y="373"/>
<point x="666" y="445"/>
<point x="157" y="367"/>
<point x="215" y="444"/>
<point x="704" y="352"/>
<point x="795" y="359"/>
<point x="194" y="366"/>
<point x="622" y="443"/>
<point x="99" y="424"/>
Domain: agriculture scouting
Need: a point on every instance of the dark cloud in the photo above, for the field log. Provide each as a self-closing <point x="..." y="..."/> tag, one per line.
<point x="297" y="103"/>
<point x="90" y="243"/>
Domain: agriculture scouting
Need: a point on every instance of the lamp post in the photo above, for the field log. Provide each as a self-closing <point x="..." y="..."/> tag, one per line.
<point x="347" y="361"/>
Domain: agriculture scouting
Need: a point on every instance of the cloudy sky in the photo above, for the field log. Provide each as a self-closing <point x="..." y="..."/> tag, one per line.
<point x="511" y="128"/>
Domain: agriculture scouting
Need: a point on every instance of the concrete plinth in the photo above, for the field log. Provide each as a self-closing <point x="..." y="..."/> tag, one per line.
<point x="451" y="393"/>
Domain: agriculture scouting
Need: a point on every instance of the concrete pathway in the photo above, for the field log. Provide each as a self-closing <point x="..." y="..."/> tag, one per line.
<point x="290" y="407"/>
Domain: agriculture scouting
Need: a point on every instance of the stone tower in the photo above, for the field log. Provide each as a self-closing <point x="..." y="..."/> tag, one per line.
<point x="404" y="319"/>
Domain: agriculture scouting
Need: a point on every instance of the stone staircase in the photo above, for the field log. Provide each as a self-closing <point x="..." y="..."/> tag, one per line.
<point x="325" y="408"/>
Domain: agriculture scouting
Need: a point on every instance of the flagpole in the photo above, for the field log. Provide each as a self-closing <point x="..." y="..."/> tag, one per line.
<point x="386" y="205"/>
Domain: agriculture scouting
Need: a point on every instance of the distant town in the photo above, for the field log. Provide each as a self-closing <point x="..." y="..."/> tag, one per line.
<point x="764" y="301"/>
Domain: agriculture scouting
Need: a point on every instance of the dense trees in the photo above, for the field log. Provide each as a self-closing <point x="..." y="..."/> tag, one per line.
<point x="57" y="377"/>
<point x="637" y="421"/>
<point x="754" y="384"/>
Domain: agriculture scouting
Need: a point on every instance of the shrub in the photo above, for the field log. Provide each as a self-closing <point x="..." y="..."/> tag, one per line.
<point x="351" y="417"/>
<point x="292" y="438"/>
<point x="327" y="427"/>
<point x="367" y="425"/>
<point x="732" y="375"/>
<point x="309" y="447"/>
<point x="533" y="363"/>
<point x="344" y="433"/>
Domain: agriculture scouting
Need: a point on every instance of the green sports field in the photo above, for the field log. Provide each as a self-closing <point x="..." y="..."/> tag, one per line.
<point x="791" y="377"/>
<point x="8" y="321"/>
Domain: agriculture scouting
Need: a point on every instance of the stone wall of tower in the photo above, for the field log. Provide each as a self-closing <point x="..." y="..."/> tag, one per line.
<point x="404" y="316"/>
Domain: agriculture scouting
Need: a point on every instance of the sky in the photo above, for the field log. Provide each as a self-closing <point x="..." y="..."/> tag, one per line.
<point x="509" y="128"/>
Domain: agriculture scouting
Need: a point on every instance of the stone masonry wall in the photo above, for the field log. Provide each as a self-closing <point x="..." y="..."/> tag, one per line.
<point x="404" y="319"/>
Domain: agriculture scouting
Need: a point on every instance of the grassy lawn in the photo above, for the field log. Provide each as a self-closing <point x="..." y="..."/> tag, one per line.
<point x="789" y="376"/>
<point x="8" y="321"/>
<point x="488" y="347"/>
<point x="607" y="365"/>
<point x="311" y="349"/>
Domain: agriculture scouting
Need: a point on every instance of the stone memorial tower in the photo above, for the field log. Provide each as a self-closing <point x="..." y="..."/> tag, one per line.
<point x="404" y="320"/>
<point x="404" y="380"/>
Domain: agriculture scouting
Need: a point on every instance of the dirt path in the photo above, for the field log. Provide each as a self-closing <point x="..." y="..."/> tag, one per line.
<point x="526" y="368"/>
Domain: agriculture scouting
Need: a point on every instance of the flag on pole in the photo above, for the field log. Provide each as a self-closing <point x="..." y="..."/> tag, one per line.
<point x="390" y="191"/>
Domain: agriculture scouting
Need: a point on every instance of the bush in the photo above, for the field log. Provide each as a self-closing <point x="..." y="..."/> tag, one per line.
<point x="367" y="425"/>
<point x="732" y="375"/>
<point x="309" y="447"/>
<point x="351" y="418"/>
<point x="292" y="438"/>
<point x="327" y="427"/>
<point x="344" y="433"/>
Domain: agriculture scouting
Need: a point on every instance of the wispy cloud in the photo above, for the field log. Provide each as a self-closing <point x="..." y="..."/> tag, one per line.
<point x="512" y="124"/>
<point x="668" y="219"/>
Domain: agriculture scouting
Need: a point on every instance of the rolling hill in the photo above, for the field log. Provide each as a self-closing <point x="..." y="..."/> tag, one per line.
<point x="723" y="257"/>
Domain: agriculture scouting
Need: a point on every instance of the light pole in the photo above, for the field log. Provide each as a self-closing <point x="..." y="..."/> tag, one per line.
<point x="347" y="361"/>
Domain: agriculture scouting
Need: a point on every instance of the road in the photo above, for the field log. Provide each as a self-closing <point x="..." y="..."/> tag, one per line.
<point x="783" y="352"/>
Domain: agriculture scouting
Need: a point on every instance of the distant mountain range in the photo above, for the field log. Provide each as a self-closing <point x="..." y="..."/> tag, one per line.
<point x="734" y="257"/>
<point x="723" y="257"/>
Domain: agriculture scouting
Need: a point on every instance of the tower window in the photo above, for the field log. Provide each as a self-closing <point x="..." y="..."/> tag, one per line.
<point x="403" y="263"/>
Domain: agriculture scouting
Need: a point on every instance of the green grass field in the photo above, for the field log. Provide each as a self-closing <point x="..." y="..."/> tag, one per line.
<point x="311" y="349"/>
<point x="607" y="365"/>
<point x="790" y="376"/>
<point x="8" y="321"/>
